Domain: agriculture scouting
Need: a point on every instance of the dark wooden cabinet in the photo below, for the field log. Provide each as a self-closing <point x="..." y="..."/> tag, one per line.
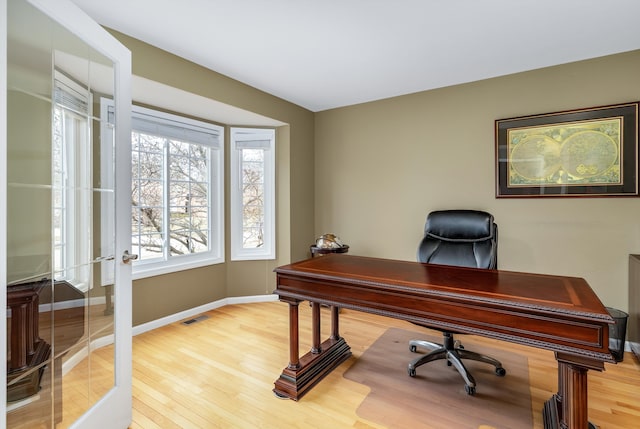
<point x="633" y="324"/>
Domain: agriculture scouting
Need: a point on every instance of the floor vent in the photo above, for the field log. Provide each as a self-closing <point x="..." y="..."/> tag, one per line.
<point x="195" y="319"/>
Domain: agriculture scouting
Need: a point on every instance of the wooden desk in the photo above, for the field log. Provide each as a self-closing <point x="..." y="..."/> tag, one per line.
<point x="556" y="313"/>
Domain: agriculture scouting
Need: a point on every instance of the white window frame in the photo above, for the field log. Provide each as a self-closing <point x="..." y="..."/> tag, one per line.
<point x="107" y="194"/>
<point x="171" y="263"/>
<point x="253" y="138"/>
<point x="73" y="249"/>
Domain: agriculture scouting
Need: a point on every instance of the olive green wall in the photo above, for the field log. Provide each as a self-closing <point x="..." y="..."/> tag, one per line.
<point x="161" y="296"/>
<point x="382" y="166"/>
<point x="28" y="208"/>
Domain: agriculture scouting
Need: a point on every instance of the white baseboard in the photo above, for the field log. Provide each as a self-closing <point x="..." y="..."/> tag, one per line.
<point x="187" y="314"/>
<point x="139" y="329"/>
<point x="72" y="303"/>
<point x="22" y="402"/>
<point x="72" y="360"/>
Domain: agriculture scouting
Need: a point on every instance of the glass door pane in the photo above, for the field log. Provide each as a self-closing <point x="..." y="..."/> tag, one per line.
<point x="63" y="282"/>
<point x="30" y="369"/>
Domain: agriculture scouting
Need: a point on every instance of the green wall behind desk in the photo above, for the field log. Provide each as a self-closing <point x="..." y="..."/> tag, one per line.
<point x="397" y="159"/>
<point x="371" y="172"/>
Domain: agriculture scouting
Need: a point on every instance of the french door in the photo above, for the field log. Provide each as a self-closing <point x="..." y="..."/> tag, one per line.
<point x="65" y="221"/>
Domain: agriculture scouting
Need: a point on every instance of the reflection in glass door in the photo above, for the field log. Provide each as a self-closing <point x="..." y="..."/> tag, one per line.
<point x="68" y="298"/>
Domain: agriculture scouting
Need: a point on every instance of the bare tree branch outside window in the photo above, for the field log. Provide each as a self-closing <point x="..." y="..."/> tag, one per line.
<point x="252" y="198"/>
<point x="156" y="162"/>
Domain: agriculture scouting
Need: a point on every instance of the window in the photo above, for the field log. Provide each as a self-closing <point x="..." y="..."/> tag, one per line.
<point x="177" y="194"/>
<point x="252" y="194"/>
<point x="71" y="175"/>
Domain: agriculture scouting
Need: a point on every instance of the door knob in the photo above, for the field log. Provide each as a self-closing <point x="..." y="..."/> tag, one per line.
<point x="128" y="257"/>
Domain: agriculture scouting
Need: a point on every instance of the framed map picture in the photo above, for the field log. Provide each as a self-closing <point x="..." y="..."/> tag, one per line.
<point x="586" y="152"/>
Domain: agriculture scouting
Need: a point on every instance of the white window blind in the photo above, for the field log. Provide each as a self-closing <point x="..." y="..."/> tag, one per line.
<point x="175" y="130"/>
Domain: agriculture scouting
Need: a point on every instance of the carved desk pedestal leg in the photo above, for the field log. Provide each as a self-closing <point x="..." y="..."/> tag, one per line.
<point x="568" y="409"/>
<point x="28" y="351"/>
<point x="304" y="372"/>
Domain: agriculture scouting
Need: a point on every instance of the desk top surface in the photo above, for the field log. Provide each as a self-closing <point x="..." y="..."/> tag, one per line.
<point x="548" y="293"/>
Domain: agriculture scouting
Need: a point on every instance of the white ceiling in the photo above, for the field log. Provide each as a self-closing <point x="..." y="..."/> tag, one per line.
<point x="331" y="53"/>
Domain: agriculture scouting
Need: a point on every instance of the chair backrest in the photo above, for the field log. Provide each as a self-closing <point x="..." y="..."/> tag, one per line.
<point x="465" y="238"/>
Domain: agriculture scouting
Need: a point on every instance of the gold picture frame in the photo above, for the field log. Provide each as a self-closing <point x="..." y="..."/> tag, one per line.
<point x="586" y="152"/>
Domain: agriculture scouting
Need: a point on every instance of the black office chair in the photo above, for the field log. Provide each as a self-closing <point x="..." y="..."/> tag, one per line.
<point x="466" y="238"/>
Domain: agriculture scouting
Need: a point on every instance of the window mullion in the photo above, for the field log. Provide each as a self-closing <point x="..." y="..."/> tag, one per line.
<point x="214" y="212"/>
<point x="166" y="212"/>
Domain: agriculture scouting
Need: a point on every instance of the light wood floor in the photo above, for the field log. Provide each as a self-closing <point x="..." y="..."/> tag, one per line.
<point x="219" y="373"/>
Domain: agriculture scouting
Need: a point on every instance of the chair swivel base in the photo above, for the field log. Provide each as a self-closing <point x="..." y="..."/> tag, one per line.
<point x="453" y="352"/>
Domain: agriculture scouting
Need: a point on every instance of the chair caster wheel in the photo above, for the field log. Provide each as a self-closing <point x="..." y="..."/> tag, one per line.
<point x="412" y="372"/>
<point x="471" y="390"/>
<point x="413" y="349"/>
<point x="501" y="372"/>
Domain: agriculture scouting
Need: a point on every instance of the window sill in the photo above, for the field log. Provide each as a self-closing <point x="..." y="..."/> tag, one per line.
<point x="161" y="268"/>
